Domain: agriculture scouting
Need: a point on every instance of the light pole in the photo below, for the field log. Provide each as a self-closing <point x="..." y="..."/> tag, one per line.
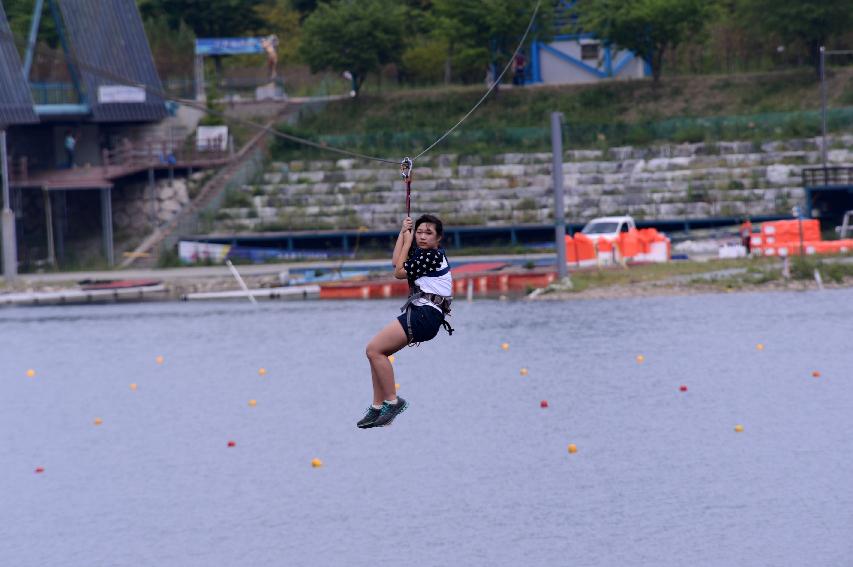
<point x="559" y="205"/>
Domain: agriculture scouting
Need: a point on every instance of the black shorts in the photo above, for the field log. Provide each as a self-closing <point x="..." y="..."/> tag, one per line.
<point x="425" y="321"/>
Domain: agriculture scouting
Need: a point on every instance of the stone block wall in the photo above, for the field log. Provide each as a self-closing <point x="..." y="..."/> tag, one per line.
<point x="665" y="182"/>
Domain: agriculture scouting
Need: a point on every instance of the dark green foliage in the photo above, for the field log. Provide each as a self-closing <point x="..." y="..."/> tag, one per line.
<point x="353" y="35"/>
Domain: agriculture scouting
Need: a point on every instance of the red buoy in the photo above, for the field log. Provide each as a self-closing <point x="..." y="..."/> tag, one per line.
<point x="232" y="444"/>
<point x="543" y="404"/>
<point x="39" y="470"/>
<point x="683" y="388"/>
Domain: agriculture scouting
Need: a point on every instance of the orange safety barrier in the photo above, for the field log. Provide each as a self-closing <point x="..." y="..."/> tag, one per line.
<point x="778" y="232"/>
<point x="631" y="244"/>
<point x="579" y="248"/>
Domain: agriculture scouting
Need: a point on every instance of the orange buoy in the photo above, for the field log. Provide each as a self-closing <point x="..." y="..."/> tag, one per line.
<point x="159" y="360"/>
<point x="640" y="358"/>
<point x="316" y="463"/>
<point x="505" y="346"/>
<point x="739" y="428"/>
<point x="816" y="373"/>
<point x="396" y="386"/>
<point x="31" y="373"/>
<point x="543" y="404"/>
<point x="133" y="387"/>
<point x="98" y="421"/>
<point x="253" y="403"/>
<point x="262" y="371"/>
<point x="573" y="448"/>
<point x="759" y="346"/>
<point x="523" y="372"/>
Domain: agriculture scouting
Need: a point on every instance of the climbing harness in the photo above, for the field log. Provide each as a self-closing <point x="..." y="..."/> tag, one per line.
<point x="406" y="173"/>
<point x="441" y="301"/>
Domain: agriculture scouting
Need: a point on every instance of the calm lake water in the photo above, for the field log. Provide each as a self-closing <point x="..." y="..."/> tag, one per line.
<point x="474" y="473"/>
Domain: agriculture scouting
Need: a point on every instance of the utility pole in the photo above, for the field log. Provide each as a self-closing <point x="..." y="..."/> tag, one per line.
<point x="559" y="205"/>
<point x="823" y="106"/>
<point x="10" y="252"/>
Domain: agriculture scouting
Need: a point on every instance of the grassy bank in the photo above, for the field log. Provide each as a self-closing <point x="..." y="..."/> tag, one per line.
<point x="677" y="278"/>
<point x="680" y="109"/>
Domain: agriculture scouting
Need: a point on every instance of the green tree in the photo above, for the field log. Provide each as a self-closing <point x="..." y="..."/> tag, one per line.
<point x="208" y="18"/>
<point x="649" y="28"/>
<point x="812" y="22"/>
<point x="357" y="36"/>
<point x="486" y="32"/>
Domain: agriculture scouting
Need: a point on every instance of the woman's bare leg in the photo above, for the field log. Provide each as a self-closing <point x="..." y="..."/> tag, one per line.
<point x="386" y="342"/>
<point x="378" y="396"/>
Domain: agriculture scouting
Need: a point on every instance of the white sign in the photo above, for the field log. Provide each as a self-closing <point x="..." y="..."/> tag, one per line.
<point x="210" y="138"/>
<point x="108" y="94"/>
<point x="195" y="252"/>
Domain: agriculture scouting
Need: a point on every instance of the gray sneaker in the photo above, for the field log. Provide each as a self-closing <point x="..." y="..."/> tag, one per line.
<point x="389" y="412"/>
<point x="368" y="419"/>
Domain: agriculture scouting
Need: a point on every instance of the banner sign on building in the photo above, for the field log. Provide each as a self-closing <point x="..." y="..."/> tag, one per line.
<point x="228" y="46"/>
<point x="108" y="94"/>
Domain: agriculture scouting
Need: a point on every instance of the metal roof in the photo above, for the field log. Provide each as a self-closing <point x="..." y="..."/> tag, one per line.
<point x="16" y="102"/>
<point x="107" y="45"/>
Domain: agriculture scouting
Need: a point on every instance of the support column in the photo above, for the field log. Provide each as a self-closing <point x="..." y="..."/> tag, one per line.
<point x="48" y="223"/>
<point x="107" y="224"/>
<point x="152" y="188"/>
<point x="10" y="246"/>
<point x="559" y="205"/>
<point x="60" y="225"/>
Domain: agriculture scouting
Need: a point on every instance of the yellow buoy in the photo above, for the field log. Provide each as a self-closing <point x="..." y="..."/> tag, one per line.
<point x="31" y="373"/>
<point x="262" y="371"/>
<point x="159" y="360"/>
<point x="396" y="385"/>
<point x="759" y="346"/>
<point x="253" y="403"/>
<point x="523" y="372"/>
<point x="391" y="359"/>
<point x="640" y="358"/>
<point x="739" y="428"/>
<point x="573" y="448"/>
<point x="505" y="346"/>
<point x="316" y="463"/>
<point x="133" y="387"/>
<point x="98" y="421"/>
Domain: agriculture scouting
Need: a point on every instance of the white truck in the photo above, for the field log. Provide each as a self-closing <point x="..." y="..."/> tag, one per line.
<point x="608" y="227"/>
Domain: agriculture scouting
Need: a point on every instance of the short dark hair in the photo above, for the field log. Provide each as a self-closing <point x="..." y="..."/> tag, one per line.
<point x="432" y="219"/>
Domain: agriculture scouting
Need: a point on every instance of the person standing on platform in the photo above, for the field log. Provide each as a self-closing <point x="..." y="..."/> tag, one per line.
<point x="70" y="146"/>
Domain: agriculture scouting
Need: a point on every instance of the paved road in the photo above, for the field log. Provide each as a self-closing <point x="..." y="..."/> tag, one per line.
<point x="200" y="272"/>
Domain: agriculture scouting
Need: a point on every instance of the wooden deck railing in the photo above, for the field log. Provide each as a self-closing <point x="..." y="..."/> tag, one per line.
<point x="133" y="156"/>
<point x="827" y="176"/>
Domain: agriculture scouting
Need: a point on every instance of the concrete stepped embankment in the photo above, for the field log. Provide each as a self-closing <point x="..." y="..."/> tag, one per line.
<point x="665" y="181"/>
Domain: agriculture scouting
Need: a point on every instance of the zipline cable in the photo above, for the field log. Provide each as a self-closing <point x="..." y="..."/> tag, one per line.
<point x="492" y="88"/>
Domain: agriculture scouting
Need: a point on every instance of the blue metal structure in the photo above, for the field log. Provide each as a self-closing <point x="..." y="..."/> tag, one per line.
<point x="829" y="190"/>
<point x="565" y="17"/>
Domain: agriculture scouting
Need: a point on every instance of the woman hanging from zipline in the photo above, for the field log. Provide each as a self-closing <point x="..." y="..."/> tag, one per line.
<point x="426" y="268"/>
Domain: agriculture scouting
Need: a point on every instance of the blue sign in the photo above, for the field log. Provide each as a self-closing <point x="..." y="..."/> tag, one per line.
<point x="228" y="46"/>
